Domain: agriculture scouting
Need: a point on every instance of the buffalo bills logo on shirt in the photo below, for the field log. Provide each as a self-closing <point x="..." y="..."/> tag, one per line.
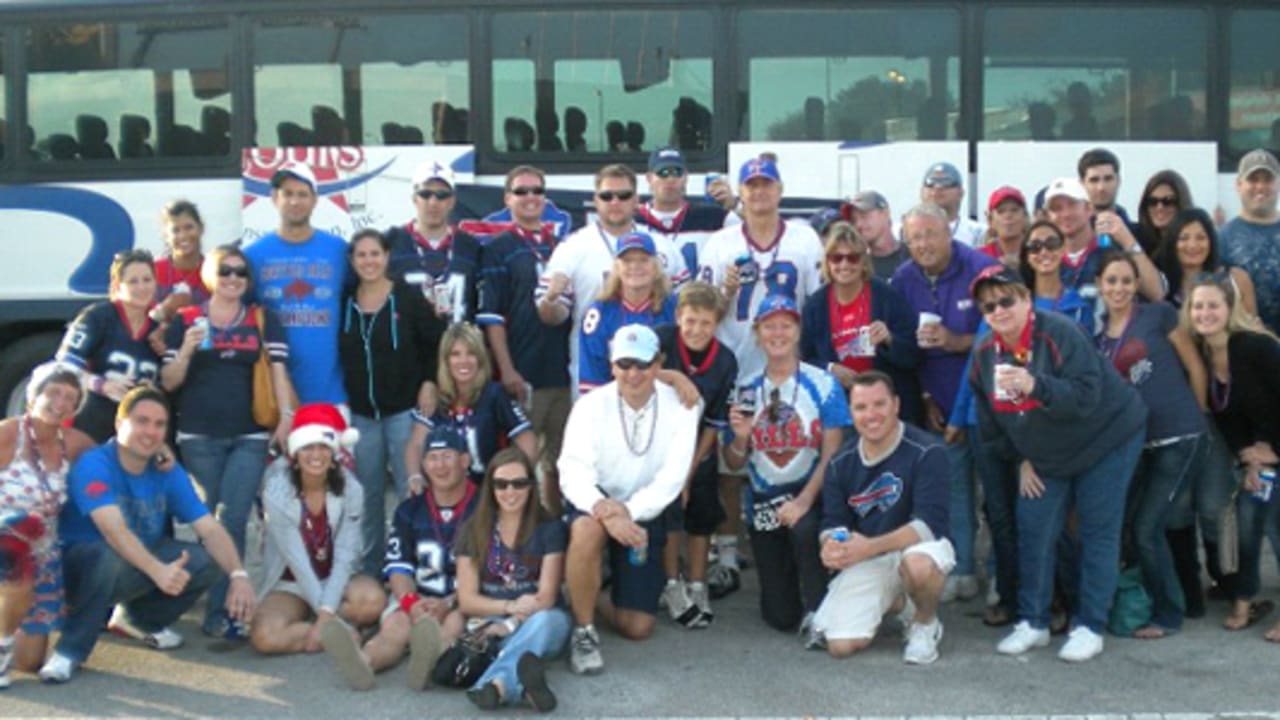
<point x="1133" y="361"/>
<point x="882" y="494"/>
<point x="95" y="488"/>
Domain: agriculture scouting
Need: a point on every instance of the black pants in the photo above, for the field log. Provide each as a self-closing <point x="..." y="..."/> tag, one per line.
<point x="792" y="578"/>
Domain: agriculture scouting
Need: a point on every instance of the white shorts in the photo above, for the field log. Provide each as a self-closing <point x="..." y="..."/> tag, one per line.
<point x="858" y="597"/>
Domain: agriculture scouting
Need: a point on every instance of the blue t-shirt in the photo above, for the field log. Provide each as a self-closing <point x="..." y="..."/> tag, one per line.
<point x="494" y="414"/>
<point x="1256" y="248"/>
<point x="507" y="573"/>
<point x="601" y="320"/>
<point x="302" y="284"/>
<point x="147" y="501"/>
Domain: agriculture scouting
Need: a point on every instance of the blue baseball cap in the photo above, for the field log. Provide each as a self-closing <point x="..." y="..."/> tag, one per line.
<point x="635" y="342"/>
<point x="666" y="157"/>
<point x="774" y="304"/>
<point x="759" y="167"/>
<point x="942" y="174"/>
<point x="823" y="219"/>
<point x="445" y="436"/>
<point x="635" y="241"/>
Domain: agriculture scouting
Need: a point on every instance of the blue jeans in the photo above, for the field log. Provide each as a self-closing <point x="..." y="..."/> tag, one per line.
<point x="1162" y="475"/>
<point x="963" y="504"/>
<point x="1098" y="494"/>
<point x="380" y="450"/>
<point x="1255" y="519"/>
<point x="97" y="579"/>
<point x="229" y="470"/>
<point x="543" y="634"/>
<point x="1210" y="490"/>
<point x="1000" y="499"/>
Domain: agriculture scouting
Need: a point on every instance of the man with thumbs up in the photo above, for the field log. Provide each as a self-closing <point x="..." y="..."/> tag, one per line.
<point x="116" y="547"/>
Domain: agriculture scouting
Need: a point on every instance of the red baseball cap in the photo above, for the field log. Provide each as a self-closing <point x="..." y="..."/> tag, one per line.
<point x="1006" y="192"/>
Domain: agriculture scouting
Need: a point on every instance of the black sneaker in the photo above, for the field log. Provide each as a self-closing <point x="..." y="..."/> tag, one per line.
<point x="722" y="580"/>
<point x="533" y="676"/>
<point x="485" y="697"/>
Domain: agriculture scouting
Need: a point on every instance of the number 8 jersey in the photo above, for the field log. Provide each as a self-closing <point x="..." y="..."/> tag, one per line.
<point x="423" y="536"/>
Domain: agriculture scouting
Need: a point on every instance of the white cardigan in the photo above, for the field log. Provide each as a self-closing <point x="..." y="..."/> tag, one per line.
<point x="283" y="541"/>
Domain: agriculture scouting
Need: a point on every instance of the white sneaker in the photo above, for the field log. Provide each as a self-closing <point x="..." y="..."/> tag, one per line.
<point x="122" y="625"/>
<point x="922" y="643"/>
<point x="676" y="599"/>
<point x="1082" y="644"/>
<point x="584" y="651"/>
<point x="57" y="669"/>
<point x="959" y="587"/>
<point x="698" y="595"/>
<point x="1023" y="638"/>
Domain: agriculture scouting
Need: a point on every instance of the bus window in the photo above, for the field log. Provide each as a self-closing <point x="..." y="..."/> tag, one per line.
<point x="870" y="75"/>
<point x="1083" y="73"/>
<point x="602" y="81"/>
<point x="1253" y="104"/>
<point x="3" y="123"/>
<point x="127" y="91"/>
<point x="369" y="80"/>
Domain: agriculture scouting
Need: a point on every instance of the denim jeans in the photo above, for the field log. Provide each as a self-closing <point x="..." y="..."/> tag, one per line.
<point x="543" y="634"/>
<point x="380" y="450"/>
<point x="1255" y="517"/>
<point x="963" y="504"/>
<point x="1000" y="499"/>
<point x="1098" y="495"/>
<point x="1210" y="490"/>
<point x="229" y="471"/>
<point x="97" y="578"/>
<point x="1162" y="474"/>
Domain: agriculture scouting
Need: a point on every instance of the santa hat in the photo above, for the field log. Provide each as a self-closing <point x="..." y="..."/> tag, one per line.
<point x="320" y="423"/>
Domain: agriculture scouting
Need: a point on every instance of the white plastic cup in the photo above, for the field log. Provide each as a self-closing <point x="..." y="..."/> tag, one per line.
<point x="1000" y="369"/>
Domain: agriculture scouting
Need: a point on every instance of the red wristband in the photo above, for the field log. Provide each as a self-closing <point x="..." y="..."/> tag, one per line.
<point x="407" y="601"/>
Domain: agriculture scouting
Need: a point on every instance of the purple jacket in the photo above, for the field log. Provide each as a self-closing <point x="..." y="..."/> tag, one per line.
<point x="942" y="372"/>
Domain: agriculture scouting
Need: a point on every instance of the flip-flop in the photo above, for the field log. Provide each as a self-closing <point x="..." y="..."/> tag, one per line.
<point x="1273" y="635"/>
<point x="1257" y="611"/>
<point x="1152" y="631"/>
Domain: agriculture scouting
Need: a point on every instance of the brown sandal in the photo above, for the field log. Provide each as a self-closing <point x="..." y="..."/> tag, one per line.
<point x="1257" y="611"/>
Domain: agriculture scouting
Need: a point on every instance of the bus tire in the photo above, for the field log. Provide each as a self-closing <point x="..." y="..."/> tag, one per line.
<point x="16" y="363"/>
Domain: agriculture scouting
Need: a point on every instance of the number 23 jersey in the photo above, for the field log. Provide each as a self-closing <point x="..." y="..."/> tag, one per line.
<point x="423" y="536"/>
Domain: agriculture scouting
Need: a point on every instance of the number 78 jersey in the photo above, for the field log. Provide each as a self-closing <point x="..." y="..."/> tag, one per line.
<point x="790" y="267"/>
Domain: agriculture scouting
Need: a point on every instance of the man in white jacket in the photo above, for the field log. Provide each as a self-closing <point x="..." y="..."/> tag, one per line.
<point x="627" y="451"/>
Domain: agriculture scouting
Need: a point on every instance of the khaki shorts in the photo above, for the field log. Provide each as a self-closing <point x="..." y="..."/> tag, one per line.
<point x="859" y="596"/>
<point x="549" y="415"/>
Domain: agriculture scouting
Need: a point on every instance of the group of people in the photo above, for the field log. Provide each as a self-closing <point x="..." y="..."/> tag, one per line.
<point x="551" y="409"/>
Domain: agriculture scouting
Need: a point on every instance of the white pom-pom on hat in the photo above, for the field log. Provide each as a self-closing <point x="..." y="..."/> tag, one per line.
<point x="323" y="424"/>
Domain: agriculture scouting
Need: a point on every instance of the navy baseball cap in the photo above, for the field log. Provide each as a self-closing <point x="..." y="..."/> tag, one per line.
<point x="942" y="174"/>
<point x="759" y="167"/>
<point x="774" y="304"/>
<point x="824" y="219"/>
<point x="994" y="275"/>
<point x="445" y="437"/>
<point x="636" y="241"/>
<point x="666" y="157"/>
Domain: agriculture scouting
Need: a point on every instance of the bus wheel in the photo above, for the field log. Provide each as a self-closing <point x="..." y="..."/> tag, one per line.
<point x="16" y="364"/>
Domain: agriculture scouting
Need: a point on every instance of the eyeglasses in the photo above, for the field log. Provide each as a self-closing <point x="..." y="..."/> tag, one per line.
<point x="1005" y="302"/>
<point x="528" y="190"/>
<point x="239" y="271"/>
<point x="512" y="484"/>
<point x="851" y="258"/>
<point x="1052" y="242"/>
<point x="629" y="363"/>
<point x="669" y="172"/>
<point x="1153" y="201"/>
<point x="611" y="195"/>
<point x="441" y="195"/>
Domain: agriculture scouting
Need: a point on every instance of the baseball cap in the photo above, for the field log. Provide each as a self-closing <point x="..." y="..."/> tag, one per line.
<point x="942" y="174"/>
<point x="865" y="201"/>
<point x="1067" y="187"/>
<point x="297" y="171"/>
<point x="1006" y="192"/>
<point x="432" y="170"/>
<point x="665" y="157"/>
<point x="774" y="304"/>
<point x="635" y="241"/>
<point x="823" y="219"/>
<point x="998" y="274"/>
<point x="759" y="167"/>
<point x="1040" y="197"/>
<point x="445" y="436"/>
<point x="634" y="342"/>
<point x="1258" y="160"/>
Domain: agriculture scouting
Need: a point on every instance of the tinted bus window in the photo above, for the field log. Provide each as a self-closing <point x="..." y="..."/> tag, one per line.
<point x="589" y="82"/>
<point x="373" y="80"/>
<point x="1254" y="100"/>
<point x="1089" y="74"/>
<point x="869" y="75"/>
<point x="102" y="91"/>
<point x="3" y="122"/>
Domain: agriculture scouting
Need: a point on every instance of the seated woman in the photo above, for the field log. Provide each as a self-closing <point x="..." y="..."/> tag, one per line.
<point x="313" y="508"/>
<point x="510" y="564"/>
<point x="36" y="452"/>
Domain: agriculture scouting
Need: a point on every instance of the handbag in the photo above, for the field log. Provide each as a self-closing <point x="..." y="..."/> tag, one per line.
<point x="467" y="658"/>
<point x="266" y="411"/>
<point x="1229" y="537"/>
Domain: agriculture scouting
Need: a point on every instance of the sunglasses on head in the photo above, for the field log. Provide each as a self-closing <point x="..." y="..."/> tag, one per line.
<point x="528" y="190"/>
<point x="512" y="484"/>
<point x="427" y="194"/>
<point x="1154" y="201"/>
<point x="239" y="271"/>
<point x="852" y="258"/>
<point x="1052" y="242"/>
<point x="669" y="172"/>
<point x="629" y="363"/>
<point x="1005" y="302"/>
<point x="136" y="255"/>
<point x="611" y="195"/>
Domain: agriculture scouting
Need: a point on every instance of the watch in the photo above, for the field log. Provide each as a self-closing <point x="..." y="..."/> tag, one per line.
<point x="1136" y="249"/>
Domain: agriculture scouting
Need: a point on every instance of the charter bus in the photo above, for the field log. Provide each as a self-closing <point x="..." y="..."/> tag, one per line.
<point x="110" y="108"/>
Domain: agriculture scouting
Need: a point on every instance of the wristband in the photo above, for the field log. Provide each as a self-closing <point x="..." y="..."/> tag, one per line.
<point x="407" y="601"/>
<point x="239" y="573"/>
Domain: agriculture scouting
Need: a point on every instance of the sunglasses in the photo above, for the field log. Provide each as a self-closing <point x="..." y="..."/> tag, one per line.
<point x="669" y="172"/>
<point x="1005" y="302"/>
<point x="629" y="363"/>
<point x="437" y="194"/>
<point x="611" y="195"/>
<point x="527" y="190"/>
<point x="1154" y="201"/>
<point x="1053" y="242"/>
<point x="851" y="258"/>
<point x="239" y="271"/>
<point x="512" y="484"/>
